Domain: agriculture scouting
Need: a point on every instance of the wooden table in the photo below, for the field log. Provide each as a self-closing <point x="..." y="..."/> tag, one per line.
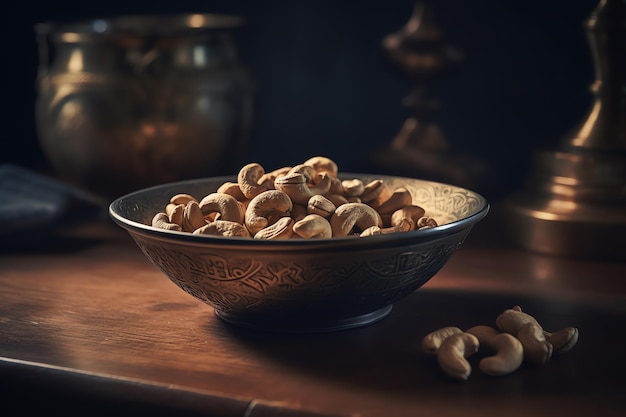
<point x="89" y="326"/>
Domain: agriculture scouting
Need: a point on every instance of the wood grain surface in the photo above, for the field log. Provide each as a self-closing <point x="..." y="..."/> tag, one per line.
<point x="89" y="325"/>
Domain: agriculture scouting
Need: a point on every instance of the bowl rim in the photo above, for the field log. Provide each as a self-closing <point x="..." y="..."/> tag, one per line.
<point x="394" y="239"/>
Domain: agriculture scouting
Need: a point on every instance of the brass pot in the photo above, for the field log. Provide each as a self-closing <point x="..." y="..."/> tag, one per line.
<point x="134" y="101"/>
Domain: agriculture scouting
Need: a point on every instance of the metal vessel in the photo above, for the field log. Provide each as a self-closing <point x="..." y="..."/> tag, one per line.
<point x="574" y="202"/>
<point x="134" y="101"/>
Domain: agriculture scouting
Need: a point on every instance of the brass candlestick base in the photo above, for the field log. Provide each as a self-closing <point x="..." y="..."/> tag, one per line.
<point x="574" y="202"/>
<point x="576" y="207"/>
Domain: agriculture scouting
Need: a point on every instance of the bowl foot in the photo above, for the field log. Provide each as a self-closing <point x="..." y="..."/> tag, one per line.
<point x="305" y="326"/>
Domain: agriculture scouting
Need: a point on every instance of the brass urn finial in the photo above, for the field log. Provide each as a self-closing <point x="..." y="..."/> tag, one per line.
<point x="420" y="148"/>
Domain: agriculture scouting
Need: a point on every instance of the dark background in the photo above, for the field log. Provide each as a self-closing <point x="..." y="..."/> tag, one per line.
<point x="324" y="85"/>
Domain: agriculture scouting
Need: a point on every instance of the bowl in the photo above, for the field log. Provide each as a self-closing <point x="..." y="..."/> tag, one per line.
<point x="302" y="285"/>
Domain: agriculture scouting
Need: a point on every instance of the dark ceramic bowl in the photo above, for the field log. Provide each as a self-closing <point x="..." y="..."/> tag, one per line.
<point x="302" y="285"/>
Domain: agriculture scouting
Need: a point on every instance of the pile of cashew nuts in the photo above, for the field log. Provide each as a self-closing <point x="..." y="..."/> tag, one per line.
<point x="518" y="337"/>
<point x="307" y="200"/>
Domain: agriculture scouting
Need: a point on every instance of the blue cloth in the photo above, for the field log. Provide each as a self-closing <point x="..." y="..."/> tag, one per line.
<point x="35" y="204"/>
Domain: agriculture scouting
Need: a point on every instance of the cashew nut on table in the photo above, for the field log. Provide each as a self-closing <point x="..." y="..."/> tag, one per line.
<point x="304" y="201"/>
<point x="539" y="345"/>
<point x="509" y="351"/>
<point x="517" y="337"/>
<point x="453" y="351"/>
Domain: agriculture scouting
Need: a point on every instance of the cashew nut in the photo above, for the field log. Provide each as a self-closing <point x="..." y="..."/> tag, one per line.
<point x="225" y="204"/>
<point x="425" y="223"/>
<point x="233" y="189"/>
<point x="412" y="213"/>
<point x="509" y="350"/>
<point x="318" y="204"/>
<point x="296" y="187"/>
<point x="353" y="187"/>
<point x="511" y="320"/>
<point x="337" y="199"/>
<point x="375" y="193"/>
<point x="161" y="221"/>
<point x="282" y="229"/>
<point x="248" y="180"/>
<point x="335" y="186"/>
<point x="223" y="228"/>
<point x="266" y="209"/>
<point x="536" y="348"/>
<point x="563" y="340"/>
<point x="351" y="215"/>
<point x="313" y="226"/>
<point x="453" y="351"/>
<point x="433" y="340"/>
<point x="404" y="226"/>
<point x="269" y="177"/>
<point x="371" y="231"/>
<point x="323" y="164"/>
<point x="526" y="328"/>
<point x="319" y="182"/>
<point x="192" y="217"/>
<point x="182" y="199"/>
<point x="307" y="171"/>
<point x="401" y="197"/>
<point x="175" y="213"/>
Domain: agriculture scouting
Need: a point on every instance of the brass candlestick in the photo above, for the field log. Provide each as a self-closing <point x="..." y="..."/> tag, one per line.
<point x="574" y="201"/>
<point x="420" y="148"/>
